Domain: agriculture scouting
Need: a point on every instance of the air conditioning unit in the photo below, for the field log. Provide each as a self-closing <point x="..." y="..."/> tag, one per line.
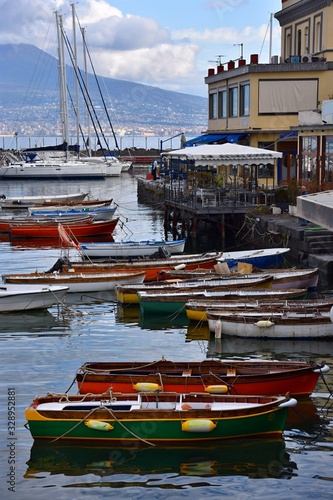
<point x="306" y="58"/>
<point x="294" y="59"/>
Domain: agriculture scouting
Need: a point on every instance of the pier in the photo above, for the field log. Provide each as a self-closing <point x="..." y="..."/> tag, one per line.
<point x="247" y="214"/>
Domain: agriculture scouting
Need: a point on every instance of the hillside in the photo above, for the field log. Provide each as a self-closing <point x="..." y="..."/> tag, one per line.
<point x="29" y="98"/>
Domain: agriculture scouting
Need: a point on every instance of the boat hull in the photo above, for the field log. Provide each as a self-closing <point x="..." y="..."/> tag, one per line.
<point x="196" y="310"/>
<point x="131" y="248"/>
<point x="163" y="419"/>
<point x="153" y="268"/>
<point x="77" y="283"/>
<point x="317" y="326"/>
<point x="25" y="298"/>
<point x="242" y="378"/>
<point x="263" y="258"/>
<point x="51" y="230"/>
<point x="28" y="201"/>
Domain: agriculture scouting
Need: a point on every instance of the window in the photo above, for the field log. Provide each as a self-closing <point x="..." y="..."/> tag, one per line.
<point x="222" y="104"/>
<point x="299" y="42"/>
<point x="245" y="100"/>
<point x="309" y="157"/>
<point x="213" y="106"/>
<point x="233" y="101"/>
<point x="317" y="42"/>
<point x="328" y="156"/>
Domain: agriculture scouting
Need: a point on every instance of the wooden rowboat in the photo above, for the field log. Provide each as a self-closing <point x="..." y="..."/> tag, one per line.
<point x="77" y="282"/>
<point x="27" y="201"/>
<point x="283" y="279"/>
<point x="170" y="302"/>
<point x="50" y="230"/>
<point x="262" y="258"/>
<point x="226" y="376"/>
<point x="129" y="249"/>
<point x="156" y="418"/>
<point x="152" y="267"/>
<point x="26" y="298"/>
<point x="128" y="294"/>
<point x="6" y="223"/>
<point x="196" y="309"/>
<point x="276" y="324"/>
<point x="64" y="205"/>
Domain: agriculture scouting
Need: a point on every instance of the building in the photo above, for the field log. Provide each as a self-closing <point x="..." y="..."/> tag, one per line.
<point x="285" y="105"/>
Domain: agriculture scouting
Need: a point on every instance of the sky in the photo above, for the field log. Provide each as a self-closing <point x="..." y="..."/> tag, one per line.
<point x="164" y="43"/>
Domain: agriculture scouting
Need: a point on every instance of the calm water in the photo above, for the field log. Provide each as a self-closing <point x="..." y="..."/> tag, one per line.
<point x="41" y="352"/>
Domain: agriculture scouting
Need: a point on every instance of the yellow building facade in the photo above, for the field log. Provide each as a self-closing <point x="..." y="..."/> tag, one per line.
<point x="281" y="105"/>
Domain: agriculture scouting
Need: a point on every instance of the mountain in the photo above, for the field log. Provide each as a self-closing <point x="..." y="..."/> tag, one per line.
<point x="29" y="99"/>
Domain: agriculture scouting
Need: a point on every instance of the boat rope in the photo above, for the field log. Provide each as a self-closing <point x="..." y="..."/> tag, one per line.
<point x="100" y="370"/>
<point x="75" y="426"/>
<point x="128" y="430"/>
<point x="322" y="376"/>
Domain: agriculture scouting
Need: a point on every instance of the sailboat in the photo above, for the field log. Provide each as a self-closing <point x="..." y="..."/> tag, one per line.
<point x="58" y="162"/>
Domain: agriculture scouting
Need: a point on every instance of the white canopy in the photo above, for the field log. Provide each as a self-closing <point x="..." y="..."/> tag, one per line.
<point x="226" y="154"/>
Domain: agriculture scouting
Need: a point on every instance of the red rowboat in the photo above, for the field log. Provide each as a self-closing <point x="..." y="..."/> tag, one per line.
<point x="233" y="377"/>
<point x="153" y="268"/>
<point x="50" y="229"/>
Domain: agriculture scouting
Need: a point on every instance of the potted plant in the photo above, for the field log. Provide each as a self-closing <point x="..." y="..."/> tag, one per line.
<point x="293" y="191"/>
<point x="281" y="198"/>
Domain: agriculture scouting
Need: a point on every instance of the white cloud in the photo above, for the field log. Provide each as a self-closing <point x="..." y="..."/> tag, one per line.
<point x="129" y="47"/>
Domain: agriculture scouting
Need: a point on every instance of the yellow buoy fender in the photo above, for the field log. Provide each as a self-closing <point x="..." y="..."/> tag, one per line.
<point x="98" y="425"/>
<point x="198" y="425"/>
<point x="147" y="387"/>
<point x="264" y="323"/>
<point x="217" y="389"/>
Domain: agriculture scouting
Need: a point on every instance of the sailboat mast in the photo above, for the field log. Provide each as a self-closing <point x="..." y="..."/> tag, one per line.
<point x="83" y="33"/>
<point x="62" y="83"/>
<point x="76" y="80"/>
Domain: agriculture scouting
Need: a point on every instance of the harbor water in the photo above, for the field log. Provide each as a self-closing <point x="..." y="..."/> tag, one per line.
<point x="42" y="351"/>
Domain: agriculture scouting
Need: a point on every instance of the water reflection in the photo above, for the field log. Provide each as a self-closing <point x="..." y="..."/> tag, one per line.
<point x="252" y="458"/>
<point x="32" y="322"/>
<point x="269" y="347"/>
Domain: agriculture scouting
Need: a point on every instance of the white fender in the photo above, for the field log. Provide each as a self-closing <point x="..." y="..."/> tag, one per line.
<point x="264" y="323"/>
<point x="289" y="403"/>
<point x="218" y="329"/>
<point x="322" y="369"/>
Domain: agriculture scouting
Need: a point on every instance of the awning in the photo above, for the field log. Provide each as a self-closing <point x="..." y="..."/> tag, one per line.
<point x="213" y="138"/>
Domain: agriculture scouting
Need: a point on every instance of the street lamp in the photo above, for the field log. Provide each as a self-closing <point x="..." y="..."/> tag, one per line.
<point x="16" y="141"/>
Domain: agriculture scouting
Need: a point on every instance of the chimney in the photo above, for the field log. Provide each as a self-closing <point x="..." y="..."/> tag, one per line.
<point x="231" y="65"/>
<point x="220" y="68"/>
<point x="254" y="59"/>
<point x="211" y="72"/>
<point x="241" y="62"/>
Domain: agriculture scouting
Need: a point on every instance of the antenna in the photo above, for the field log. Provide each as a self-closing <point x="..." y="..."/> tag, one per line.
<point x="241" y="48"/>
<point x="219" y="58"/>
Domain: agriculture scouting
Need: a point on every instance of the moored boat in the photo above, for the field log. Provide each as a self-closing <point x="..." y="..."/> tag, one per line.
<point x="129" y="294"/>
<point x="261" y="258"/>
<point x="196" y="309"/>
<point x="283" y="279"/>
<point x="173" y="301"/>
<point x="156" y="418"/>
<point x="152" y="267"/>
<point x="26" y="201"/>
<point x="77" y="282"/>
<point x="273" y="324"/>
<point x="129" y="249"/>
<point x="96" y="212"/>
<point x="218" y="376"/>
<point x="27" y="297"/>
<point x="50" y="229"/>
